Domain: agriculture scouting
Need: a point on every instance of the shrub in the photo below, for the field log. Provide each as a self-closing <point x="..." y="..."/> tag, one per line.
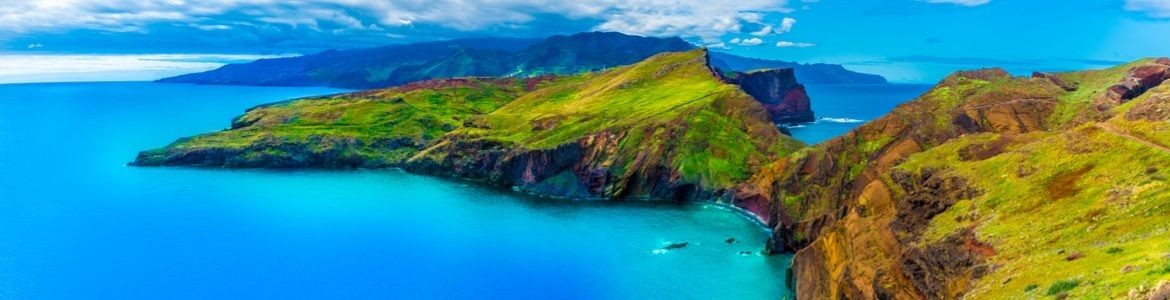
<point x="1062" y="286"/>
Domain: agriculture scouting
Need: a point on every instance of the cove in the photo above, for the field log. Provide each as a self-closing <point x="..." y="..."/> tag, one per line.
<point x="75" y="222"/>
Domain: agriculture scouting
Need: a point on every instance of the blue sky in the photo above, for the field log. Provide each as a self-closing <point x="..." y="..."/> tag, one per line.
<point x="905" y="40"/>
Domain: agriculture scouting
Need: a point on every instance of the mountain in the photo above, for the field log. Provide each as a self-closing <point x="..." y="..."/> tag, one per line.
<point x="988" y="186"/>
<point x="399" y="64"/>
<point x="668" y="127"/>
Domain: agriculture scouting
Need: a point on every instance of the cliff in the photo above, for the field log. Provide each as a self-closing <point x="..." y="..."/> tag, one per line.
<point x="394" y="65"/>
<point x="987" y="186"/>
<point x="664" y="128"/>
<point x="777" y="89"/>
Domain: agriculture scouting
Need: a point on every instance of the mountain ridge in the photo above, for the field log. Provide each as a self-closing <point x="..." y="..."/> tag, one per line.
<point x="393" y="65"/>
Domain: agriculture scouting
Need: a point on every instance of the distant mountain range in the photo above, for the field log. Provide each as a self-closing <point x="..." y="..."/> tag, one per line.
<point x="395" y="65"/>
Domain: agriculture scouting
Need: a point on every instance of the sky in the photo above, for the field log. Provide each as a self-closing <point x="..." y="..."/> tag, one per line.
<point x="904" y="40"/>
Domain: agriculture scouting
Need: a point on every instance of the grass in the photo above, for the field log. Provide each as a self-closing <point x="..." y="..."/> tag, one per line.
<point x="669" y="107"/>
<point x="1107" y="201"/>
<point x="1090" y="84"/>
<point x="381" y="126"/>
<point x="1062" y="286"/>
<point x="1085" y="190"/>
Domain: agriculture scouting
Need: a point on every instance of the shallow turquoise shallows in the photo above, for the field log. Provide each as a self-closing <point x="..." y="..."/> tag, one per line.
<point x="76" y="223"/>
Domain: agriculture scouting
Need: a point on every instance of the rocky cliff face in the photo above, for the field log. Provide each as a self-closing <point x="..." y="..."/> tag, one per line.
<point x="872" y="214"/>
<point x="777" y="89"/>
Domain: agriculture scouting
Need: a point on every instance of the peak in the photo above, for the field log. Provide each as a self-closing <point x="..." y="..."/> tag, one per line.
<point x="982" y="74"/>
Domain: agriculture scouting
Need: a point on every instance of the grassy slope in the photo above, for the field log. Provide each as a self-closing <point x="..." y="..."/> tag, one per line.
<point x="1053" y="194"/>
<point x="722" y="143"/>
<point x="411" y="114"/>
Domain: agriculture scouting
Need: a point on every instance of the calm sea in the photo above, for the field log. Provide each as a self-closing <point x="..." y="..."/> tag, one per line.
<point x="840" y="108"/>
<point x="76" y="223"/>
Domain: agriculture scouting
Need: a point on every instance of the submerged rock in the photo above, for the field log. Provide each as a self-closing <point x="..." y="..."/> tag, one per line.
<point x="675" y="246"/>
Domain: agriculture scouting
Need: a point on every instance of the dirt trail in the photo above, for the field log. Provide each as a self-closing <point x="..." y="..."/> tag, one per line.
<point x="1121" y="133"/>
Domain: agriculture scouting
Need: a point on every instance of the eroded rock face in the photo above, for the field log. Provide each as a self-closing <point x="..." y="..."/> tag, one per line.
<point x="855" y="221"/>
<point x="1139" y="80"/>
<point x="777" y="89"/>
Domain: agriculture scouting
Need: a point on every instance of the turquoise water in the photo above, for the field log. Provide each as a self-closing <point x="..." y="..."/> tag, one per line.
<point x="842" y="107"/>
<point x="76" y="223"/>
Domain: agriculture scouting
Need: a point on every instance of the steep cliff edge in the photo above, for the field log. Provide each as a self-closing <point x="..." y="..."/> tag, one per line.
<point x="777" y="89"/>
<point x="987" y="186"/>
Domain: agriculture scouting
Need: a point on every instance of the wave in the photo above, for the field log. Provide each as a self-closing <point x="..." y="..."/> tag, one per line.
<point x="840" y="120"/>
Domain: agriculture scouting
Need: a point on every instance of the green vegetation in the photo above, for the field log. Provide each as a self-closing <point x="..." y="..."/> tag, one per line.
<point x="1062" y="286"/>
<point x="670" y="107"/>
<point x="1090" y="84"/>
<point x="1084" y="189"/>
<point x="371" y="128"/>
<point x="670" y="110"/>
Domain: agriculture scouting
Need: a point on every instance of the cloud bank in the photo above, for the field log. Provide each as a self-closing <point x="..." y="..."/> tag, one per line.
<point x="266" y="19"/>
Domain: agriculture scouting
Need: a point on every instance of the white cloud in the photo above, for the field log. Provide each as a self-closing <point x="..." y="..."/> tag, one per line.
<point x="35" y="45"/>
<point x="787" y="44"/>
<point x="1154" y="8"/>
<point x="687" y="18"/>
<point x="767" y="29"/>
<point x="747" y="41"/>
<point x="786" y="25"/>
<point x="960" y="2"/>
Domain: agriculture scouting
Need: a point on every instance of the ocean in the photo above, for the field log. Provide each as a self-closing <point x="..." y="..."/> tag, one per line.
<point x="77" y="223"/>
<point x="840" y="108"/>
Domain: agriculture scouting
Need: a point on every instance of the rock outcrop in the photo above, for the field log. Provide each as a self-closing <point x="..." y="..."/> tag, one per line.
<point x="1137" y="81"/>
<point x="777" y="89"/>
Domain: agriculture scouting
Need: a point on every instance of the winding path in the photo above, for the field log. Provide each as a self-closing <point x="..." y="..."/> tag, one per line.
<point x="1121" y="133"/>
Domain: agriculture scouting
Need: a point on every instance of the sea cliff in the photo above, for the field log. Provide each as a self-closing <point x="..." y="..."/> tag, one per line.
<point x="987" y="186"/>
